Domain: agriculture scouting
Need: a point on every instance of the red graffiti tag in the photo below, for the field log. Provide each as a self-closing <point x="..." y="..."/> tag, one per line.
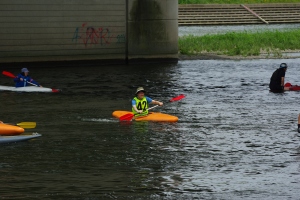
<point x="90" y="35"/>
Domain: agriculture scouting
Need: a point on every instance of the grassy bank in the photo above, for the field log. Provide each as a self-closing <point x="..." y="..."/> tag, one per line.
<point x="241" y="44"/>
<point x="235" y="1"/>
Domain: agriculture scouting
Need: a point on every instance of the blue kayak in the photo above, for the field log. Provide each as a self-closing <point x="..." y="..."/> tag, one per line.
<point x="18" y="138"/>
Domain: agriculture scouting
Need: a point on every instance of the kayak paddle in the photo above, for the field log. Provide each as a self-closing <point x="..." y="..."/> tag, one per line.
<point x="25" y="124"/>
<point x="9" y="74"/>
<point x="129" y="116"/>
<point x="177" y="98"/>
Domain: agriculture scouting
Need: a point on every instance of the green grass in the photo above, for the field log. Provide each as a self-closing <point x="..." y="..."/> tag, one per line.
<point x="235" y="1"/>
<point x="242" y="44"/>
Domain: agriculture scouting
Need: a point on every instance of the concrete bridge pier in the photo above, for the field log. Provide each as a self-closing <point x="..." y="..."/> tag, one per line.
<point x="152" y="30"/>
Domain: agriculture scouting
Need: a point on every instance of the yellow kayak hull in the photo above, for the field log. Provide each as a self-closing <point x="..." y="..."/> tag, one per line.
<point x="6" y="129"/>
<point x="152" y="116"/>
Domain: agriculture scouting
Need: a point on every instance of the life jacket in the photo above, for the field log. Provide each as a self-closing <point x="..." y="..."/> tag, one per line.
<point x="22" y="83"/>
<point x="141" y="105"/>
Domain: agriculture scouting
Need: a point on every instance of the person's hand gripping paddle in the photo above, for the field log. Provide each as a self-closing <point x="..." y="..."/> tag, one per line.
<point x="129" y="116"/>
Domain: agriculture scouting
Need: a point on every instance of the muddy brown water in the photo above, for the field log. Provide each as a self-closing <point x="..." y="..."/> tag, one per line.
<point x="234" y="139"/>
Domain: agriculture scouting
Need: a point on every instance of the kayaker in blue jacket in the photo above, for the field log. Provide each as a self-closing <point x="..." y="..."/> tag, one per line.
<point x="23" y="80"/>
<point x="140" y="102"/>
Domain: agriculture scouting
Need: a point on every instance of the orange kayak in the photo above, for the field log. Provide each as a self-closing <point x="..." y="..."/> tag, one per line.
<point x="6" y="129"/>
<point x="152" y="116"/>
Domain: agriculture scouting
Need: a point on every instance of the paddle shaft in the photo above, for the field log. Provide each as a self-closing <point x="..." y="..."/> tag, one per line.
<point x="152" y="107"/>
<point x="173" y="99"/>
<point x="32" y="84"/>
<point x="24" y="124"/>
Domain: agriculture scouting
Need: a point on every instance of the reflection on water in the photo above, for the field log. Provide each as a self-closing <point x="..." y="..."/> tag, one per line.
<point x="234" y="139"/>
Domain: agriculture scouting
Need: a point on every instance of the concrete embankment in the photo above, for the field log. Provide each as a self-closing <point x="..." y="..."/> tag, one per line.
<point x="234" y="14"/>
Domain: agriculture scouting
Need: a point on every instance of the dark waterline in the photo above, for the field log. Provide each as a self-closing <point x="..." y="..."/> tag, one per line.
<point x="234" y="139"/>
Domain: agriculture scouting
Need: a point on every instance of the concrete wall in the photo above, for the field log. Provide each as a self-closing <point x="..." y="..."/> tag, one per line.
<point x="67" y="30"/>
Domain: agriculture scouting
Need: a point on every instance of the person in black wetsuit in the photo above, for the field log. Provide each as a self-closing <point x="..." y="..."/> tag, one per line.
<point x="277" y="79"/>
<point x="299" y="123"/>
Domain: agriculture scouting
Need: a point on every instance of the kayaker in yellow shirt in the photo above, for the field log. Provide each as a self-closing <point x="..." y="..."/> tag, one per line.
<point x="140" y="103"/>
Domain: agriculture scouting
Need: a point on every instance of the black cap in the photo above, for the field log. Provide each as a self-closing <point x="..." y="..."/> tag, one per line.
<point x="283" y="65"/>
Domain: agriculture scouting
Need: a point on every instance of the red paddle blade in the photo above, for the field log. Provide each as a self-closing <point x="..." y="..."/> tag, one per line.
<point x="55" y="90"/>
<point x="178" y="98"/>
<point x="8" y="74"/>
<point x="127" y="117"/>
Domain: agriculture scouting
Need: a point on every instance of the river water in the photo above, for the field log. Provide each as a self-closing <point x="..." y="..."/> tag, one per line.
<point x="234" y="139"/>
<point x="204" y="30"/>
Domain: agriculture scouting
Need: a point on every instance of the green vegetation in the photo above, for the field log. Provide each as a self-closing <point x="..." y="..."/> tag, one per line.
<point x="243" y="44"/>
<point x="235" y="1"/>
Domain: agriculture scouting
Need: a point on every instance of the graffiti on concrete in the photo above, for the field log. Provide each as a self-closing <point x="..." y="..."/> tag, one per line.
<point x="90" y="35"/>
<point x="121" y="38"/>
